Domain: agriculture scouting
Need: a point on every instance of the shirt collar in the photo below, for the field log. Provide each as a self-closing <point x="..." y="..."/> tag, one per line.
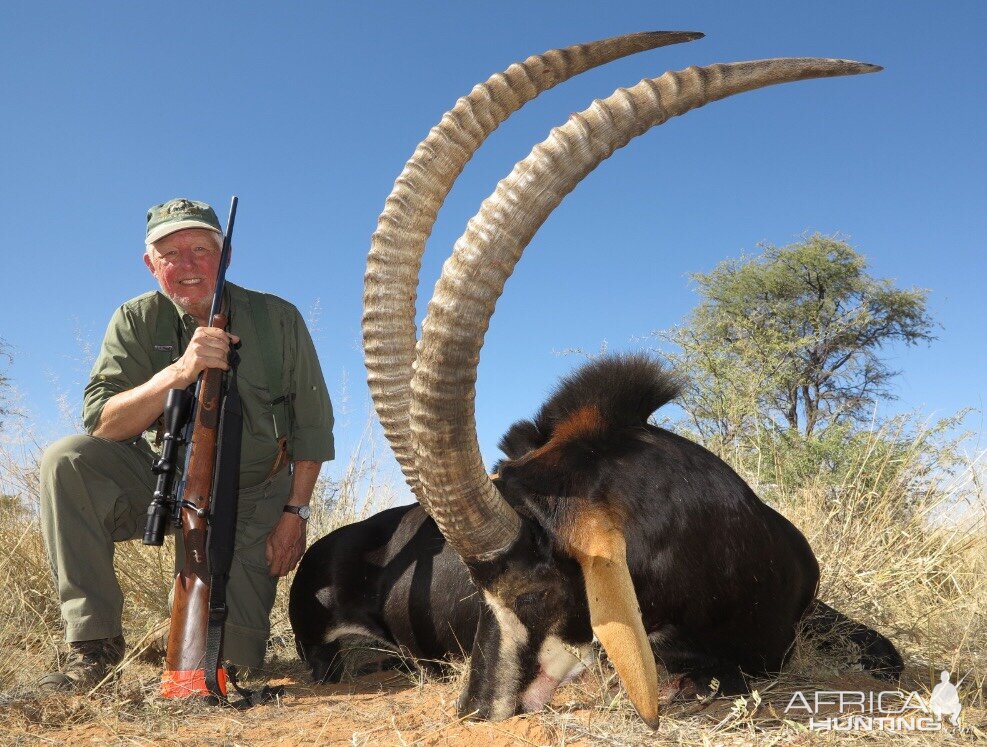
<point x="229" y="292"/>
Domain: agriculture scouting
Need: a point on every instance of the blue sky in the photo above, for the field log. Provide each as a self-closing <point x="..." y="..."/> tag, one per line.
<point x="308" y="111"/>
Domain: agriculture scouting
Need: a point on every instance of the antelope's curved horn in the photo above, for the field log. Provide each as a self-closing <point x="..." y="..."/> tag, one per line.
<point x="469" y="511"/>
<point x="471" y="514"/>
<point x="391" y="280"/>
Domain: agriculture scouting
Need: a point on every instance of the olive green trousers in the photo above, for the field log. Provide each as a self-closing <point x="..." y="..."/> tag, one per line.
<point x="95" y="492"/>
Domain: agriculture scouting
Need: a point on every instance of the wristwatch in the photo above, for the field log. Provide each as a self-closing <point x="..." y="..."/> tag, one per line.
<point x="303" y="512"/>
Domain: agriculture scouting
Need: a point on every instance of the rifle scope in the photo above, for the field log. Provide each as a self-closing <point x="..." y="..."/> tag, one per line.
<point x="178" y="408"/>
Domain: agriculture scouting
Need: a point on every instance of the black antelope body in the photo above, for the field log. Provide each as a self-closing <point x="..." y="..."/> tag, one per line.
<point x="599" y="524"/>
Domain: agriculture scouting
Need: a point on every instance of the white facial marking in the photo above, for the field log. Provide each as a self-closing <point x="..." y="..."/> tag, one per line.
<point x="340" y="630"/>
<point x="326" y="596"/>
<point x="558" y="663"/>
<point x="513" y="636"/>
<point x="563" y="661"/>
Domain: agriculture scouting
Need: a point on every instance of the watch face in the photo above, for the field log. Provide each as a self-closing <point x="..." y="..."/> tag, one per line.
<point x="304" y="512"/>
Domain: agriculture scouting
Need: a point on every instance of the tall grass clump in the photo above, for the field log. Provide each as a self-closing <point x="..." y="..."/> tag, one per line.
<point x="27" y="594"/>
<point x="31" y="638"/>
<point x="897" y="517"/>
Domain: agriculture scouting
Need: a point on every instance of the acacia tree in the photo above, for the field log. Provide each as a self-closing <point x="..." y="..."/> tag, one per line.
<point x="791" y="340"/>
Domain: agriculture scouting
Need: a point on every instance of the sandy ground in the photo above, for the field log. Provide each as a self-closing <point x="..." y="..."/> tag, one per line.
<point x="380" y="708"/>
<point x="398" y="708"/>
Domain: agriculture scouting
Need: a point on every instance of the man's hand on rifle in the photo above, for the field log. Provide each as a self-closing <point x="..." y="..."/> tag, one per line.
<point x="208" y="348"/>
<point x="127" y="414"/>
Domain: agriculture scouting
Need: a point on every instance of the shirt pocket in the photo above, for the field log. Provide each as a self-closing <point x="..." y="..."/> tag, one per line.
<point x="258" y="444"/>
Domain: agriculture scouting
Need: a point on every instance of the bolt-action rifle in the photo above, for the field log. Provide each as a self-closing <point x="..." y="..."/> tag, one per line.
<point x="203" y="505"/>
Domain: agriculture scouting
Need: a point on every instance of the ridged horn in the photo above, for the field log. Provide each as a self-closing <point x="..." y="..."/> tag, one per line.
<point x="465" y="504"/>
<point x="391" y="281"/>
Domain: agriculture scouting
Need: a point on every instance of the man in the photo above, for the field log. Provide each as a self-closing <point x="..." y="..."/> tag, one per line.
<point x="96" y="488"/>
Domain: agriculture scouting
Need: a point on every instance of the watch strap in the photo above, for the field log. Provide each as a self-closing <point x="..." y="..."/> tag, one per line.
<point x="303" y="512"/>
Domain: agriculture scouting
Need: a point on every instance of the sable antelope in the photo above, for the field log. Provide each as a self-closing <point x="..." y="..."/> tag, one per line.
<point x="599" y="523"/>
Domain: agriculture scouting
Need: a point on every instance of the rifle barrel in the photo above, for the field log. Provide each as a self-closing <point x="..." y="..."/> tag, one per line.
<point x="224" y="259"/>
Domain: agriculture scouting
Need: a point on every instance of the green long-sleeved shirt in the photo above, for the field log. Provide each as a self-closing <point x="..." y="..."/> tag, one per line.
<point x="132" y="353"/>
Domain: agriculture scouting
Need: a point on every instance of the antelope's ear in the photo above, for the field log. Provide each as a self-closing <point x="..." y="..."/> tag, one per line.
<point x="598" y="544"/>
<point x="521" y="438"/>
<point x="520" y="481"/>
<point x="549" y="471"/>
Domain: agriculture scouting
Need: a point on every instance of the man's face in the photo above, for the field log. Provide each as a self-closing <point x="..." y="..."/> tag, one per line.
<point x="185" y="264"/>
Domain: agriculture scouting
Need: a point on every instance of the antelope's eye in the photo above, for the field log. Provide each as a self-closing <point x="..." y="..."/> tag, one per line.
<point x="530" y="599"/>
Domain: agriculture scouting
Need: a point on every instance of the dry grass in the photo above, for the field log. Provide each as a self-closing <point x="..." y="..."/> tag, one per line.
<point x="921" y="578"/>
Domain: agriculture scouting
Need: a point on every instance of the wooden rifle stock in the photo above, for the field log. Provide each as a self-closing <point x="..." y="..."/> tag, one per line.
<point x="185" y="659"/>
<point x="184" y="674"/>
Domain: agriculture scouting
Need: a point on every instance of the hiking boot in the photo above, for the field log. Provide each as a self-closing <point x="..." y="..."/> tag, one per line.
<point x="88" y="664"/>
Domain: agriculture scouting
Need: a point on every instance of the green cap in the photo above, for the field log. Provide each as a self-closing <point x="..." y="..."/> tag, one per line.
<point x="179" y="214"/>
